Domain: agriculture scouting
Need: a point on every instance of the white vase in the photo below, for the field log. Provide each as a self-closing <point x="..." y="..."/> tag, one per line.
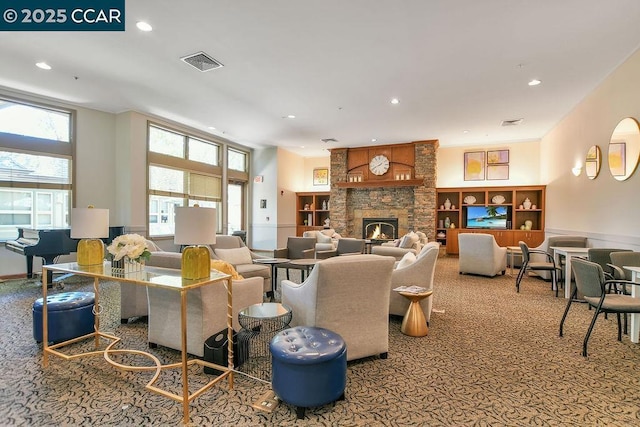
<point x="447" y="204"/>
<point x="527" y="203"/>
<point x="127" y="266"/>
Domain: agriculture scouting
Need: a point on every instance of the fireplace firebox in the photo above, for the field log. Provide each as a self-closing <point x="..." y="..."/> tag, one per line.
<point x="380" y="230"/>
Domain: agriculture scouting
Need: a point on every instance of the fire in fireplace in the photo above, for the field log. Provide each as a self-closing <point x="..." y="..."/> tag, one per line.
<point x="380" y="229"/>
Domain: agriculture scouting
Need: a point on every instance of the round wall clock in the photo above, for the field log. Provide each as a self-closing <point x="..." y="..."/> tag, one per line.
<point x="379" y="165"/>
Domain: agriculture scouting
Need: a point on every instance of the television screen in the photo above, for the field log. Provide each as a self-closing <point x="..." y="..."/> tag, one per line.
<point x="487" y="217"/>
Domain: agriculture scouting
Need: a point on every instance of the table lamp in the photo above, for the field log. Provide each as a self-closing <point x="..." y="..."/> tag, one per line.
<point x="89" y="224"/>
<point x="196" y="227"/>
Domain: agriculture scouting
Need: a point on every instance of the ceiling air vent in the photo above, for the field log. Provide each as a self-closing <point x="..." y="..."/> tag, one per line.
<point x="514" y="122"/>
<point x="327" y="140"/>
<point x="202" y="61"/>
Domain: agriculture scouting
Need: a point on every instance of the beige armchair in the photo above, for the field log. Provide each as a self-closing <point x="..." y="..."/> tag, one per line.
<point x="233" y="250"/>
<point x="410" y="242"/>
<point x="206" y="308"/>
<point x="345" y="246"/>
<point x="480" y="254"/>
<point x="348" y="295"/>
<point x="418" y="273"/>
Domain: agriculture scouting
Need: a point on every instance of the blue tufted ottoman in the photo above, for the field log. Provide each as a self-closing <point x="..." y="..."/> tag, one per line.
<point x="70" y="315"/>
<point x="309" y="367"/>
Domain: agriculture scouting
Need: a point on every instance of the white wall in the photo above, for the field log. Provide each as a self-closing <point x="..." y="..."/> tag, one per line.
<point x="263" y="226"/>
<point x="603" y="209"/>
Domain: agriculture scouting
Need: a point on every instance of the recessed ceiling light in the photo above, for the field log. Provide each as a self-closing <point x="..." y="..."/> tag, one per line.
<point x="373" y="140"/>
<point x="43" y="65"/>
<point x="534" y="82"/>
<point x="465" y="131"/>
<point x="291" y="116"/>
<point x="395" y="101"/>
<point x="212" y="128"/>
<point x="143" y="26"/>
<point x="302" y="146"/>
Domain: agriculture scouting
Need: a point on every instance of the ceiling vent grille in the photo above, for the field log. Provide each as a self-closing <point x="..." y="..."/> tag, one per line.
<point x="202" y="62"/>
<point x="514" y="122"/>
<point x="327" y="140"/>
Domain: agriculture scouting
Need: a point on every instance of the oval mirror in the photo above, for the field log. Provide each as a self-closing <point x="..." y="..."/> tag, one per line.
<point x="624" y="149"/>
<point x="593" y="161"/>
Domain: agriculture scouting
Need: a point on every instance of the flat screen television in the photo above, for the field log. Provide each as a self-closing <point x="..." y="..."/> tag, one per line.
<point x="490" y="217"/>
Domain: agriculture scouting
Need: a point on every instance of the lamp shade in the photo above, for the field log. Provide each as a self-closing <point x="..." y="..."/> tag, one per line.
<point x="195" y="226"/>
<point x="89" y="223"/>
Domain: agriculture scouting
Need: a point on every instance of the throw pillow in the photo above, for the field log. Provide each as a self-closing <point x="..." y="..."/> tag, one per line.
<point x="323" y="238"/>
<point x="226" y="268"/>
<point x="235" y="256"/>
<point x="409" y="240"/>
<point x="408" y="259"/>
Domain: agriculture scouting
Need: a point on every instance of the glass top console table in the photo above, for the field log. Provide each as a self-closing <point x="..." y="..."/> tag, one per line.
<point x="149" y="276"/>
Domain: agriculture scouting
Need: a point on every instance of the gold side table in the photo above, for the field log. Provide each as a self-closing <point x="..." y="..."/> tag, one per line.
<point x="414" y="323"/>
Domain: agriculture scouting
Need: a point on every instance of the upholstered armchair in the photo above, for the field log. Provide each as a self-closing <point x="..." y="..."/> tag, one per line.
<point x="133" y="298"/>
<point x="326" y="239"/>
<point x="419" y="272"/>
<point x="233" y="250"/>
<point x="480" y="254"/>
<point x="410" y="242"/>
<point x="206" y="308"/>
<point x="348" y="295"/>
<point x="345" y="246"/>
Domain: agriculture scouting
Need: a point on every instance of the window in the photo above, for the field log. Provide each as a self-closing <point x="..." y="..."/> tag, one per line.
<point x="237" y="160"/>
<point x="35" y="167"/>
<point x="183" y="171"/>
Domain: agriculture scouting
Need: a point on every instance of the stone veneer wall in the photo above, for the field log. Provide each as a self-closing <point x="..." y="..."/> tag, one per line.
<point x="413" y="206"/>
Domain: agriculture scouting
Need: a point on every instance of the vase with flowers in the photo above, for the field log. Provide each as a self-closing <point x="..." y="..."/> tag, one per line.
<point x="129" y="252"/>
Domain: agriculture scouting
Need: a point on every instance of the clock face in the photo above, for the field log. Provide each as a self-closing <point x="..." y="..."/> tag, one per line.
<point x="379" y="165"/>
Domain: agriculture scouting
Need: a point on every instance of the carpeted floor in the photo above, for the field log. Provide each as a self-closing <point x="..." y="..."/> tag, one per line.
<point x="492" y="358"/>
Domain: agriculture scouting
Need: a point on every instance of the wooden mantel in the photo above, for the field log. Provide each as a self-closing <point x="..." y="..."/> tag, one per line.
<point x="387" y="183"/>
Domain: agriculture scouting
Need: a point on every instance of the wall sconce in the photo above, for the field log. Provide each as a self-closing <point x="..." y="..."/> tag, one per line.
<point x="577" y="170"/>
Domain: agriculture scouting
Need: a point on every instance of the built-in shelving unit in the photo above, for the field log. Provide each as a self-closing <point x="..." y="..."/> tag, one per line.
<point x="310" y="211"/>
<point x="452" y="206"/>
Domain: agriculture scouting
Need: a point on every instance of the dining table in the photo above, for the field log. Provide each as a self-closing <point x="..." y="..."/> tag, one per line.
<point x="634" y="330"/>
<point x="568" y="252"/>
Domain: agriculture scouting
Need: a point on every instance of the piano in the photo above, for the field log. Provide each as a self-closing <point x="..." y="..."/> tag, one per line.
<point x="49" y="243"/>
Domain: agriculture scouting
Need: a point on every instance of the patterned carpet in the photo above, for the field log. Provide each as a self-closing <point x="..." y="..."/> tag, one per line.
<point x="492" y="358"/>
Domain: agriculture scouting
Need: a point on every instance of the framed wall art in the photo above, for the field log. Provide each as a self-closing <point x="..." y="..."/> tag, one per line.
<point x="474" y="166"/>
<point x="617" y="158"/>
<point x="495" y="172"/>
<point x="497" y="157"/>
<point x="321" y="176"/>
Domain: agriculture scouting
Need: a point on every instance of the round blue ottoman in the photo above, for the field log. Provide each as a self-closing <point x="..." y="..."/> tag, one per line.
<point x="70" y="315"/>
<point x="309" y="367"/>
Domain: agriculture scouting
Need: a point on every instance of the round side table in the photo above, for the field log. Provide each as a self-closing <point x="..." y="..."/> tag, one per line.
<point x="414" y="323"/>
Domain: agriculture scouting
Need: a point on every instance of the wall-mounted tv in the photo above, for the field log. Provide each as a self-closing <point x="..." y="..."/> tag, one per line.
<point x="493" y="217"/>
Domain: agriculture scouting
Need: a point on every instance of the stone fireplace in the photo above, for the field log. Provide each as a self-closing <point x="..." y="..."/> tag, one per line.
<point x="410" y="203"/>
<point x="379" y="230"/>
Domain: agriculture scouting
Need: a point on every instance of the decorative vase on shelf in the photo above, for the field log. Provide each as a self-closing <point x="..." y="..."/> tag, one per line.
<point x="447" y="204"/>
<point x="527" y="203"/>
<point x="126" y="265"/>
<point x="447" y="222"/>
<point x="528" y="224"/>
<point x="324" y="205"/>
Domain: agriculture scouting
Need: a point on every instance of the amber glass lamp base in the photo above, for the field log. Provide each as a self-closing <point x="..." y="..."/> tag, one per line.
<point x="90" y="252"/>
<point x="196" y="263"/>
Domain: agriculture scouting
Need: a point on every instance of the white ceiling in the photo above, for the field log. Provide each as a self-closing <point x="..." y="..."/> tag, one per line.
<point x="455" y="65"/>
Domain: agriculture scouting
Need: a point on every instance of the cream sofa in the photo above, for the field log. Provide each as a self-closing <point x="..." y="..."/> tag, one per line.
<point x="410" y="242"/>
<point x="233" y="250"/>
<point x="480" y="254"/>
<point x="348" y="295"/>
<point x="326" y="239"/>
<point x="206" y="308"/>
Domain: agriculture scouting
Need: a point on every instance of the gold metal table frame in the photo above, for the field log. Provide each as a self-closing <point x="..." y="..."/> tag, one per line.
<point x="151" y="276"/>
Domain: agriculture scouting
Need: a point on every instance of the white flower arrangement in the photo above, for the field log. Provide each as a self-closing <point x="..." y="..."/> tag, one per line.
<point x="133" y="246"/>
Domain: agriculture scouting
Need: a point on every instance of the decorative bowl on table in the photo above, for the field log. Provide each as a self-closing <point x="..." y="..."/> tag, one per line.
<point x="469" y="200"/>
<point x="498" y="199"/>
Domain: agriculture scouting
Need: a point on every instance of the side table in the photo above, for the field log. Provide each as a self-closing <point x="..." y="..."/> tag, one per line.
<point x="415" y="323"/>
<point x="306" y="263"/>
<point x="511" y="252"/>
<point x="260" y="323"/>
